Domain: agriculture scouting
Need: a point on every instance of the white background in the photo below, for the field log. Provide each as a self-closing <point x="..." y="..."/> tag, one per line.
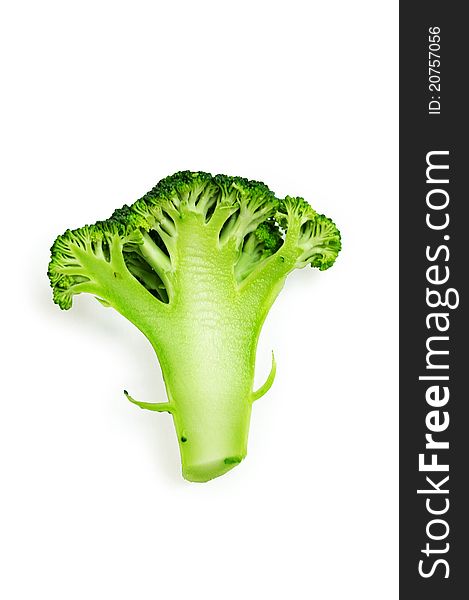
<point x="100" y="100"/>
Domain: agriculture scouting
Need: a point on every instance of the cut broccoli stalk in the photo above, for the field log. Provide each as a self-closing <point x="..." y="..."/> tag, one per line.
<point x="196" y="265"/>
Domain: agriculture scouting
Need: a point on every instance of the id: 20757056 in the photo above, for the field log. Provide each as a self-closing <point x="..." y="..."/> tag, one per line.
<point x="434" y="61"/>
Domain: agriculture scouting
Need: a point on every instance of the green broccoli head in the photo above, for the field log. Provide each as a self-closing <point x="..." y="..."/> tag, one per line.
<point x="245" y="216"/>
<point x="196" y="265"/>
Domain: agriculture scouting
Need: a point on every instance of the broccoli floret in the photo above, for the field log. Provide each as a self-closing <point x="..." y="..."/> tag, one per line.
<point x="196" y="265"/>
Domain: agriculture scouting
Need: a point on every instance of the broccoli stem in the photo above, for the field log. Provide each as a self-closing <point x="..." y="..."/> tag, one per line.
<point x="208" y="363"/>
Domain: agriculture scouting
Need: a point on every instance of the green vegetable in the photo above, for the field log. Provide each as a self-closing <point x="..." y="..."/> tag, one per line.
<point x="196" y="265"/>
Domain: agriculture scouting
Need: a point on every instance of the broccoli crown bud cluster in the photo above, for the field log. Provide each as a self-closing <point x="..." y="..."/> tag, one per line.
<point x="244" y="215"/>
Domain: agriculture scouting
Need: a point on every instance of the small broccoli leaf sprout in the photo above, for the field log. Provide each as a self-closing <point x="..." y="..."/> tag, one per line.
<point x="196" y="265"/>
